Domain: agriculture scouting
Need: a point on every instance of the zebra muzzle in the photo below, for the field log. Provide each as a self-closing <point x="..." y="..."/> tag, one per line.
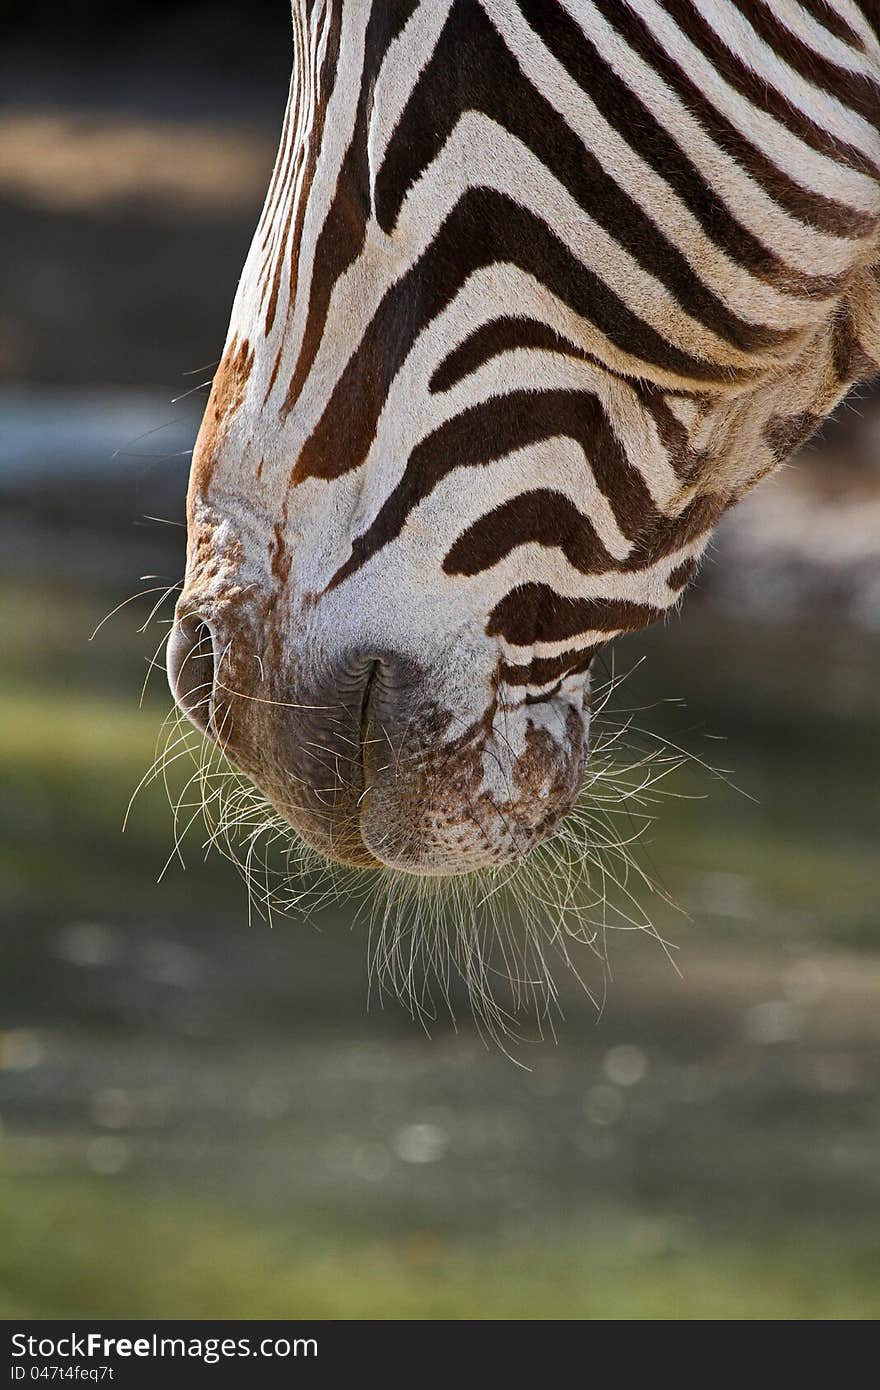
<point x="371" y="770"/>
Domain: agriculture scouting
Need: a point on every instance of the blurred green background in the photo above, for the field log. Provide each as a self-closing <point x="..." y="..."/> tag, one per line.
<point x="200" y="1117"/>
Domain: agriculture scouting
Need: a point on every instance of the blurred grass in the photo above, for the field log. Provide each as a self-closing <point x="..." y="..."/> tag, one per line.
<point x="795" y="866"/>
<point x="79" y="1250"/>
<point x="75" y="742"/>
<point x="74" y="758"/>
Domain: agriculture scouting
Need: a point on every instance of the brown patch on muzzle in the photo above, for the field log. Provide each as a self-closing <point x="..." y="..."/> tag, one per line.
<point x="437" y="802"/>
<point x="227" y="394"/>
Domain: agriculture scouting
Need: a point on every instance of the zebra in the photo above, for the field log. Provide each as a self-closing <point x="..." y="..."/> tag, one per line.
<point x="539" y="290"/>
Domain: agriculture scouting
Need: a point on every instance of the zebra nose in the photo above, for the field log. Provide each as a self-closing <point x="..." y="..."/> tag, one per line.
<point x="190" y="662"/>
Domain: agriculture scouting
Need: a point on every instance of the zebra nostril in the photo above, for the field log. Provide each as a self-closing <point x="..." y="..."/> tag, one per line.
<point x="190" y="664"/>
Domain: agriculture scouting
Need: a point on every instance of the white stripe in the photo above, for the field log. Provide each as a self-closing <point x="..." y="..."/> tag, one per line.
<point x="811" y="32"/>
<point x="467" y="495"/>
<point x="339" y="120"/>
<point x="480" y="152"/>
<point x="750" y="298"/>
<point x="852" y="14"/>
<point x="738" y="35"/>
<point x="539" y="564"/>
<point x="813" y="171"/>
<point x="403" y="64"/>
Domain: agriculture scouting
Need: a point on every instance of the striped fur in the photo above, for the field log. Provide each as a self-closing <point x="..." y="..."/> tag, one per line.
<point x="539" y="289"/>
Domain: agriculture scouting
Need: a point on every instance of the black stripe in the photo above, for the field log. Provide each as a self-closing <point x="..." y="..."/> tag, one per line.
<point x="760" y="93"/>
<point x="483" y="228"/>
<point x="536" y="613"/>
<point x="543" y="670"/>
<point x="550" y="518"/>
<point x="472" y="66"/>
<point x="499" y="335"/>
<point x="488" y="431"/>
<point x="342" y="235"/>
<point x="506" y="334"/>
<point x="825" y="14"/>
<point x="858" y="93"/>
<point x="543" y="517"/>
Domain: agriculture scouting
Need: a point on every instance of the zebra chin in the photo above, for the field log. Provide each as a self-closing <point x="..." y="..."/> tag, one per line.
<point x="442" y="799"/>
<point x="371" y="772"/>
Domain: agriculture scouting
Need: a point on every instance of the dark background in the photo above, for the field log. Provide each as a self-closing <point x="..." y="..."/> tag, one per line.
<point x="200" y="1115"/>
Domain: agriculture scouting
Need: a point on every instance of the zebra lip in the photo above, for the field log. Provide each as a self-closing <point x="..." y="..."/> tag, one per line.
<point x="364" y="720"/>
<point x="359" y="854"/>
<point x="345" y="842"/>
<point x="307" y="755"/>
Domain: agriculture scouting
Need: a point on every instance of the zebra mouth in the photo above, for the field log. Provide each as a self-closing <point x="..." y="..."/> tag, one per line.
<point x="408" y="796"/>
<point x="437" y="802"/>
<point x="372" y="772"/>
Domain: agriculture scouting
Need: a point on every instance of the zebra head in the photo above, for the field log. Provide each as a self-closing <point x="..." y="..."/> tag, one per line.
<point x="538" y="290"/>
